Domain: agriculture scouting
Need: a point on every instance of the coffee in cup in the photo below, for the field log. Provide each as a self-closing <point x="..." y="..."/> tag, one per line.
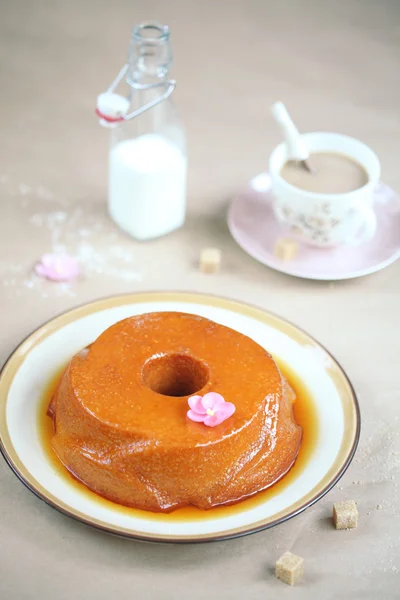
<point x="333" y="173"/>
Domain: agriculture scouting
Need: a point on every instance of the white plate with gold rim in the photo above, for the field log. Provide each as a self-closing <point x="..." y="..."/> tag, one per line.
<point x="28" y="371"/>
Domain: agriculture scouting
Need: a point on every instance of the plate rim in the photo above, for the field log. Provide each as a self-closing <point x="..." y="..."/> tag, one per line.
<point x="55" y="323"/>
<point x="285" y="269"/>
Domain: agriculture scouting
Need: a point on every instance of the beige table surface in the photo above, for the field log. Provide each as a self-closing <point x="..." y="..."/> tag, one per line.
<point x="336" y="64"/>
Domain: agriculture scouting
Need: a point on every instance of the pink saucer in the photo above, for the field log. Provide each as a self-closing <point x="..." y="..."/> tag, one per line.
<point x="252" y="224"/>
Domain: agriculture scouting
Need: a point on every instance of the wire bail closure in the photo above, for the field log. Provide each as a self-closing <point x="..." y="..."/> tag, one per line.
<point x="113" y="108"/>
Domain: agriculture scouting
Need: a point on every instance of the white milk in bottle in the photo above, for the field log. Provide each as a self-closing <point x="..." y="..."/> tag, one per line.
<point x="147" y="186"/>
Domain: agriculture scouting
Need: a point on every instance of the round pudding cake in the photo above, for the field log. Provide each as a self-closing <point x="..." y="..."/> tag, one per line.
<point x="121" y="423"/>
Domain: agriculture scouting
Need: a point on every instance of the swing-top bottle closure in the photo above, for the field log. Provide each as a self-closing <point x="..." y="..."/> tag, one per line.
<point x="148" y="41"/>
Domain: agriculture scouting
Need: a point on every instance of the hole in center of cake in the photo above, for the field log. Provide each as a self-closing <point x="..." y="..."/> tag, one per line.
<point x="175" y="374"/>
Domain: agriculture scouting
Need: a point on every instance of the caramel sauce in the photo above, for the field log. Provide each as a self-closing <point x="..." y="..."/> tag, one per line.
<point x="305" y="414"/>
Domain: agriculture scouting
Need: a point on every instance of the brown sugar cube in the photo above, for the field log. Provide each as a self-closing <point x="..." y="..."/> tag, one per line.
<point x="289" y="568"/>
<point x="345" y="515"/>
<point x="286" y="249"/>
<point x="210" y="260"/>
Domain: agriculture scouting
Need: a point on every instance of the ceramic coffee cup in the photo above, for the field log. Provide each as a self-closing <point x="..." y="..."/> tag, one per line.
<point x="327" y="220"/>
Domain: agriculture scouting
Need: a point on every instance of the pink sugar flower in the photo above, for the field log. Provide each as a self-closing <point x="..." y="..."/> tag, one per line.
<point x="210" y="409"/>
<point x="57" y="267"/>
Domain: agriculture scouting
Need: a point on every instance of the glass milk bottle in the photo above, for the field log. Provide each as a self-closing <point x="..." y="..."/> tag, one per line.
<point x="147" y="162"/>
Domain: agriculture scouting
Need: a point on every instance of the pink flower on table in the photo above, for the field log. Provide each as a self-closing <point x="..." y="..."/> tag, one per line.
<point x="210" y="409"/>
<point x="57" y="267"/>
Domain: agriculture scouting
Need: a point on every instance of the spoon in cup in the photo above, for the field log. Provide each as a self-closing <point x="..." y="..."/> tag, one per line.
<point x="297" y="149"/>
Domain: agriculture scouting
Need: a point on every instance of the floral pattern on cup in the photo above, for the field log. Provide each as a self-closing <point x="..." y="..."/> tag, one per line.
<point x="317" y="226"/>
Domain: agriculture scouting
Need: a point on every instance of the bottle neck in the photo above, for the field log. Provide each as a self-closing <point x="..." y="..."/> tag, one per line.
<point x="150" y="55"/>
